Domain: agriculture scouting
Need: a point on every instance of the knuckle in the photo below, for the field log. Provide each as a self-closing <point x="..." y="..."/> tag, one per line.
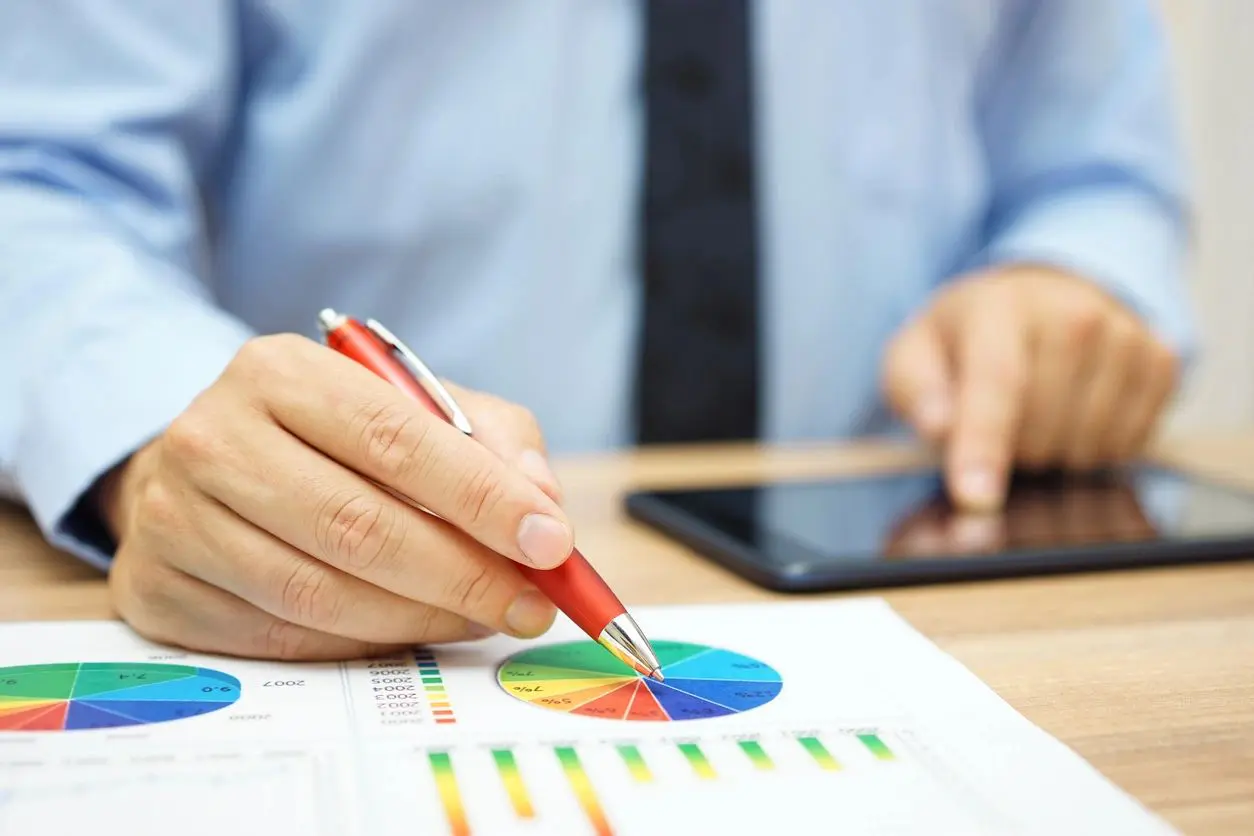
<point x="523" y="420"/>
<point x="521" y="416"/>
<point x="470" y="590"/>
<point x="283" y="640"/>
<point x="192" y="439"/>
<point x="253" y="357"/>
<point x="146" y="596"/>
<point x="263" y="352"/>
<point x="478" y="495"/>
<point x="148" y="589"/>
<point x="1082" y="322"/>
<point x="394" y="442"/>
<point x="359" y="531"/>
<point x="1125" y="339"/>
<point x="1005" y="375"/>
<point x="1162" y="361"/>
<point x="424" y="622"/>
<point x="308" y="597"/>
<point x="264" y="357"/>
<point x="158" y="507"/>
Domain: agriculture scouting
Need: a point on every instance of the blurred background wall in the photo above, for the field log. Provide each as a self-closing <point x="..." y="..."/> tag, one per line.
<point x="1213" y="43"/>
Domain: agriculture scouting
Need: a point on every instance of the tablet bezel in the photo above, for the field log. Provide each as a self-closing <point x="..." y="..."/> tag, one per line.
<point x="810" y="570"/>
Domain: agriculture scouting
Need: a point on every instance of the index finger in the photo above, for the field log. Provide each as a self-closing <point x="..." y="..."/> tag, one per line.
<point x="356" y="418"/>
<point x="991" y="353"/>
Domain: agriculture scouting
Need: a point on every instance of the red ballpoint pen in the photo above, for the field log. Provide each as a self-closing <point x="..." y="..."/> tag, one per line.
<point x="574" y="587"/>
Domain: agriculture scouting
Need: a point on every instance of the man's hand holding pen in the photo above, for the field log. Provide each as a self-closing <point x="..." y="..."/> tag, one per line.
<point x="261" y="524"/>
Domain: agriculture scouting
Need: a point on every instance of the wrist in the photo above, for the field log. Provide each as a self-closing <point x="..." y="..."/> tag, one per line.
<point x="112" y="494"/>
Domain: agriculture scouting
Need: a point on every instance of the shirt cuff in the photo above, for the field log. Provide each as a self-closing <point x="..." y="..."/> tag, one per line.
<point x="106" y="403"/>
<point x="1124" y="241"/>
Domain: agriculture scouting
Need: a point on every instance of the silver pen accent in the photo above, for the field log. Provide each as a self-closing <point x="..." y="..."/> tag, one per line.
<point x="624" y="638"/>
<point x="329" y="320"/>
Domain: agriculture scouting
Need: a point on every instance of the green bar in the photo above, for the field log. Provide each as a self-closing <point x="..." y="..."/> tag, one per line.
<point x="819" y="752"/>
<point x="635" y="763"/>
<point x="450" y="795"/>
<point x="514" y="786"/>
<point x="433" y="687"/>
<point x="877" y="747"/>
<point x="431" y="680"/>
<point x="700" y="764"/>
<point x="756" y="754"/>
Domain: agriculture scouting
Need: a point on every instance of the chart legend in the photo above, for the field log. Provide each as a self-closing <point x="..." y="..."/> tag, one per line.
<point x="433" y="686"/>
<point x="580" y="678"/>
<point x="75" y="696"/>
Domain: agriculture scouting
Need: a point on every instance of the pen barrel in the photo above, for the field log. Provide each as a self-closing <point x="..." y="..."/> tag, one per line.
<point x="355" y="342"/>
<point x="576" y="589"/>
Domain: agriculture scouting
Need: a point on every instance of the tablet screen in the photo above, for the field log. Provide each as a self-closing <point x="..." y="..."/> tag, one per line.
<point x="908" y="517"/>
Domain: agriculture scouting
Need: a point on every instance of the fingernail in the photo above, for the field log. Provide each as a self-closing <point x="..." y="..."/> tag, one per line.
<point x="978" y="487"/>
<point x="533" y="463"/>
<point x="544" y="541"/>
<point x="530" y="615"/>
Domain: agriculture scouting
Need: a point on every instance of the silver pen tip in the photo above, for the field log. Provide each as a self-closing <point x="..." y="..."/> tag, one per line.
<point x="624" y="638"/>
<point x="657" y="674"/>
<point x="329" y="320"/>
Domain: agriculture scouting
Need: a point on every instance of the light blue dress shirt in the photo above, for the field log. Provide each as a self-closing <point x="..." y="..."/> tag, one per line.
<point x="178" y="176"/>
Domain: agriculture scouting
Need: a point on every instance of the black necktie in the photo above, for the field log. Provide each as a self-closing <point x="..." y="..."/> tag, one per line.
<point x="697" y="378"/>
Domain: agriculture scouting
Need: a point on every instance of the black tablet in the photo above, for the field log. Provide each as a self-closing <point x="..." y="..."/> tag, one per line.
<point x="899" y="528"/>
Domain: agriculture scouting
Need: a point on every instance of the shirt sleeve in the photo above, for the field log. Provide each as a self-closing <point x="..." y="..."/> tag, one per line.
<point x="1084" y="157"/>
<point x="112" y="112"/>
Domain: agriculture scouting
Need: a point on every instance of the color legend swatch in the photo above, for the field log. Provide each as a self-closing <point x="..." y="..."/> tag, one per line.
<point x="433" y="686"/>
<point x="581" y="678"/>
<point x="72" y="696"/>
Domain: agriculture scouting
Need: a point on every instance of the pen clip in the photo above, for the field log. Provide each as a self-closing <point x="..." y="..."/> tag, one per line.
<point x="425" y="377"/>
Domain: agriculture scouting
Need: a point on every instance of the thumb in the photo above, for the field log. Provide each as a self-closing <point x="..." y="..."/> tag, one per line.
<point x="917" y="380"/>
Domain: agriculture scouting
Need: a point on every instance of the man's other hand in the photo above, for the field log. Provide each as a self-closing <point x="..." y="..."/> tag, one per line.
<point x="1027" y="367"/>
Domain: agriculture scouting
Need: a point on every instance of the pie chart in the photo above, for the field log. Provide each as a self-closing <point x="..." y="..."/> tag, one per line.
<point x="583" y="679"/>
<point x="73" y="696"/>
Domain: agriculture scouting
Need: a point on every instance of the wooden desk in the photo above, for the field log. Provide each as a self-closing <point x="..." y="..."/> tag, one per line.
<point x="1149" y="674"/>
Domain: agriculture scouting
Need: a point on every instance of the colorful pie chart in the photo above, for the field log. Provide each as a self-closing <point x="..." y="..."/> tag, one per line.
<point x="581" y="678"/>
<point x="72" y="696"/>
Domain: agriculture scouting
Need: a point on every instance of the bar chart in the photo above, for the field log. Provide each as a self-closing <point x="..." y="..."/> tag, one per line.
<point x="540" y="788"/>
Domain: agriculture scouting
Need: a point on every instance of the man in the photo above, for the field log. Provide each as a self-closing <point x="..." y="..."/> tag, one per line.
<point x="638" y="222"/>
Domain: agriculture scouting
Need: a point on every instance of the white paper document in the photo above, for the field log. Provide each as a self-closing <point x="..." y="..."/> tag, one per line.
<point x="804" y="717"/>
